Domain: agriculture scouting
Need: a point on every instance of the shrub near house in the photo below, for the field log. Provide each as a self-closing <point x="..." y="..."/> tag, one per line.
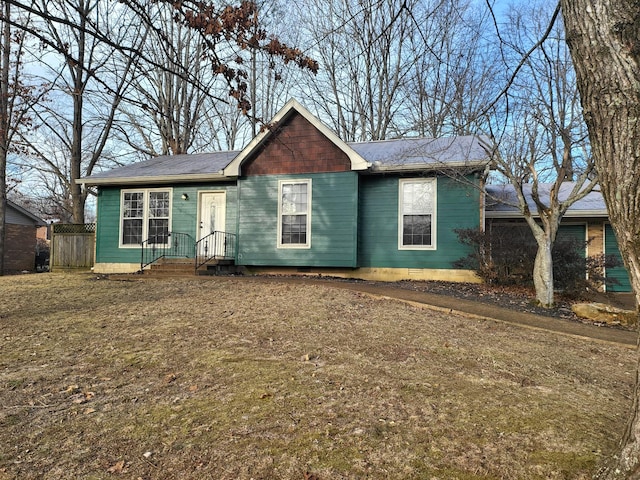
<point x="586" y="250"/>
<point x="505" y="255"/>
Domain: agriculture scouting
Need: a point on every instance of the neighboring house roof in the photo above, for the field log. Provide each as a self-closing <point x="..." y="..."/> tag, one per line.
<point x="501" y="201"/>
<point x="415" y="154"/>
<point x="21" y="216"/>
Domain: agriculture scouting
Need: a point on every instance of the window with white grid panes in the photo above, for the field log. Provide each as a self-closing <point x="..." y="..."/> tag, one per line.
<point x="145" y="216"/>
<point x="417" y="206"/>
<point x="294" y="212"/>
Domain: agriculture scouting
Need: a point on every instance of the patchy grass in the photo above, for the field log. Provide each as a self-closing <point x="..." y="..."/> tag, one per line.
<point x="228" y="378"/>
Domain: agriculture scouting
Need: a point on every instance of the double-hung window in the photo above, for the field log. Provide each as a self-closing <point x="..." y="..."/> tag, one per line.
<point x="416" y="216"/>
<point x="145" y="216"/>
<point x="294" y="214"/>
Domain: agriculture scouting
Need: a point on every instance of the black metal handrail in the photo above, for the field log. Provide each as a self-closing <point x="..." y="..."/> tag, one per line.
<point x="171" y="244"/>
<point x="218" y="245"/>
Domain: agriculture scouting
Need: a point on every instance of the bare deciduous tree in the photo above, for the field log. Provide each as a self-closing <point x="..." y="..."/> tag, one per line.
<point x="86" y="91"/>
<point x="454" y="76"/>
<point x="16" y="99"/>
<point x="85" y="37"/>
<point x="163" y="109"/>
<point x="183" y="106"/>
<point x="363" y="48"/>
<point x="392" y="68"/>
<point x="544" y="143"/>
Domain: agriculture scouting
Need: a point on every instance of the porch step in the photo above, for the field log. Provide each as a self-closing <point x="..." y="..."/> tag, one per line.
<point x="172" y="268"/>
<point x="218" y="267"/>
<point x="185" y="268"/>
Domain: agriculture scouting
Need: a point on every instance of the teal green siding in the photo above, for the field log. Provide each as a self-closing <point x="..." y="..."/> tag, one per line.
<point x="184" y="216"/>
<point x="458" y="207"/>
<point x="577" y="232"/>
<point x="107" y="227"/>
<point x="334" y="211"/>
<point x="618" y="273"/>
<point x="354" y="222"/>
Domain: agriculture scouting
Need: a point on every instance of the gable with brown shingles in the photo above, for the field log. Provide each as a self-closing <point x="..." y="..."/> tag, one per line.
<point x="296" y="146"/>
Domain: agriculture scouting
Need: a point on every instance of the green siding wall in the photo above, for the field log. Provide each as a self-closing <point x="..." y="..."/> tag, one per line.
<point x="458" y="206"/>
<point x="577" y="232"/>
<point x="618" y="273"/>
<point x="334" y="210"/>
<point x="183" y="218"/>
<point x="354" y="222"/>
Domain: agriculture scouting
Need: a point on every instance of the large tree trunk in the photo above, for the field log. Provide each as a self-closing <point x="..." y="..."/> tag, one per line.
<point x="543" y="273"/>
<point x="604" y="40"/>
<point x="545" y="235"/>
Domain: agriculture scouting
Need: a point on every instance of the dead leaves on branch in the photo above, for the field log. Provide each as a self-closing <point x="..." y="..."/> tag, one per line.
<point x="238" y="25"/>
<point x="210" y="21"/>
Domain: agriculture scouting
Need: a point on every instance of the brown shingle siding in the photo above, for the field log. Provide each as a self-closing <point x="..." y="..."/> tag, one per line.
<point x="297" y="147"/>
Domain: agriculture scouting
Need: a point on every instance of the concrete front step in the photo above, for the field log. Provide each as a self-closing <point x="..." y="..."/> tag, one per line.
<point x="186" y="268"/>
<point x="169" y="273"/>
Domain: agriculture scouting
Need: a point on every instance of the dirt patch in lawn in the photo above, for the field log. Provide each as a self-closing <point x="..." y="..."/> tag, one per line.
<point x="228" y="379"/>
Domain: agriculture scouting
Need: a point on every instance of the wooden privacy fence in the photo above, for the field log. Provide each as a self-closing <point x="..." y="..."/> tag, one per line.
<point x="72" y="246"/>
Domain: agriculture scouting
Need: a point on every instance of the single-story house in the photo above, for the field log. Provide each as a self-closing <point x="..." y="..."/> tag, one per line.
<point x="587" y="220"/>
<point x="20" y="238"/>
<point x="299" y="199"/>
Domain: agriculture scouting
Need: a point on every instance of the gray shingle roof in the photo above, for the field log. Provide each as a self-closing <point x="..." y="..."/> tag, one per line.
<point x="502" y="198"/>
<point x="423" y="152"/>
<point x="388" y="155"/>
<point x="168" y="167"/>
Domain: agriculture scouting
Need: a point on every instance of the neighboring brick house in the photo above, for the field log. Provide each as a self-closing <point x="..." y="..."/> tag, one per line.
<point x="20" y="238"/>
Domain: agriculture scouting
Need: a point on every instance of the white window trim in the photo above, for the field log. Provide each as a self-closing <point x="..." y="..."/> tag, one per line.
<point x="145" y="218"/>
<point x="434" y="222"/>
<point x="309" y="209"/>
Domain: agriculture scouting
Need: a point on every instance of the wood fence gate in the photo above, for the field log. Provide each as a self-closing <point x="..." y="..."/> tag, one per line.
<point x="72" y="246"/>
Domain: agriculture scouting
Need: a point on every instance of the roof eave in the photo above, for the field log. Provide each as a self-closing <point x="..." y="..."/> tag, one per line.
<point x="156" y="179"/>
<point x="429" y="167"/>
<point x="37" y="220"/>
<point x="569" y="214"/>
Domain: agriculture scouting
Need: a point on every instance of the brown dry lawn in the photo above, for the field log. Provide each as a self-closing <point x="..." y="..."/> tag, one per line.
<point x="228" y="378"/>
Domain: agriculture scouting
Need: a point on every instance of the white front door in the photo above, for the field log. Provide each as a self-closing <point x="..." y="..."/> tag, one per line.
<point x="212" y="219"/>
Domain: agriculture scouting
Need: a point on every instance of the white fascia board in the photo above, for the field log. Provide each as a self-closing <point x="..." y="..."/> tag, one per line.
<point x="357" y="162"/>
<point x="586" y="213"/>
